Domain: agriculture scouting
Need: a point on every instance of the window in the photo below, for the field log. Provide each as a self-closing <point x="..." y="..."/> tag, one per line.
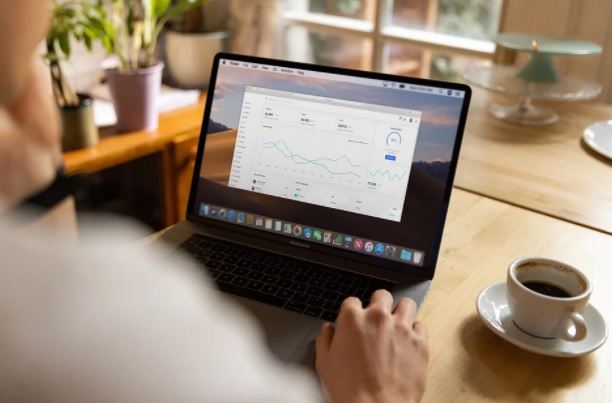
<point x="438" y="38"/>
<point x="428" y="38"/>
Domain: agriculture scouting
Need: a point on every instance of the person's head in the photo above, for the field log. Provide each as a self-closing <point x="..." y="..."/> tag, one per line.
<point x="23" y="24"/>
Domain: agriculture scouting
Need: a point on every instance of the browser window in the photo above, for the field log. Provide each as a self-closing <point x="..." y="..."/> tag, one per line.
<point x="345" y="155"/>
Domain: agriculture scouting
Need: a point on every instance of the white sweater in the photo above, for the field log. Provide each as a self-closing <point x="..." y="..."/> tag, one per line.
<point x="109" y="320"/>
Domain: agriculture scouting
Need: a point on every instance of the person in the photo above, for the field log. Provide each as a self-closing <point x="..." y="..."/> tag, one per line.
<point x="108" y="320"/>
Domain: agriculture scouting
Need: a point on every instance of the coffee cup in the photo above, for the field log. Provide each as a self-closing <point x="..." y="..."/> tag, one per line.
<point x="546" y="298"/>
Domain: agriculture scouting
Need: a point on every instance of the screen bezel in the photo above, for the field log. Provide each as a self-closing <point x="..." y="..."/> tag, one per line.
<point x="427" y="270"/>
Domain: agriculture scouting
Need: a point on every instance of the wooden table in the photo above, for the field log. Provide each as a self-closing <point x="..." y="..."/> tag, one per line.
<point x="469" y="363"/>
<point x="542" y="168"/>
<point x="534" y="169"/>
<point x="116" y="149"/>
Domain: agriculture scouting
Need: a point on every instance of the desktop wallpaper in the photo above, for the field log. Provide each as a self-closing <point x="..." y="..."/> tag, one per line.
<point x="438" y="125"/>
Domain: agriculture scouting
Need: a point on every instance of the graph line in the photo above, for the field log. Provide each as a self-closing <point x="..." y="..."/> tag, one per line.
<point x="292" y="156"/>
<point x="388" y="174"/>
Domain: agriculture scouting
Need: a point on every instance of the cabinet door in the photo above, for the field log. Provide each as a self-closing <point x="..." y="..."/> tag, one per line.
<point x="184" y="150"/>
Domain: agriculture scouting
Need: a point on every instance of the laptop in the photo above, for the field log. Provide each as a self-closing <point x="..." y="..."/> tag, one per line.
<point x="314" y="183"/>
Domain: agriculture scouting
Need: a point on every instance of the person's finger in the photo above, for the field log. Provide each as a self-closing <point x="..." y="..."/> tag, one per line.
<point x="406" y="309"/>
<point x="322" y="346"/>
<point x="350" y="308"/>
<point x="420" y="328"/>
<point x="325" y="338"/>
<point x="350" y="303"/>
<point x="382" y="298"/>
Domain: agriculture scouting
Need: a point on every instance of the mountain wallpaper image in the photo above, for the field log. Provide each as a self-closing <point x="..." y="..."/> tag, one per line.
<point x="214" y="127"/>
<point x="437" y="169"/>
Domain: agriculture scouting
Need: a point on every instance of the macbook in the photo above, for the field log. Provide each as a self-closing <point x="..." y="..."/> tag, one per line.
<point x="314" y="183"/>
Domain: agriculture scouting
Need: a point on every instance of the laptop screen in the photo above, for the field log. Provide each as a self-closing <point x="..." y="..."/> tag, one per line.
<point x="347" y="162"/>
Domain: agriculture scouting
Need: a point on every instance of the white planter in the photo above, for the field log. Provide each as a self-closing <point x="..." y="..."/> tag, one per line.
<point x="190" y="56"/>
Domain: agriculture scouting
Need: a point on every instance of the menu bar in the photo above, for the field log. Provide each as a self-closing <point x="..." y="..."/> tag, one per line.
<point x="440" y="91"/>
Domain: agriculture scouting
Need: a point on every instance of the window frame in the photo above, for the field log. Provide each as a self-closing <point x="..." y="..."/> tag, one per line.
<point x="382" y="34"/>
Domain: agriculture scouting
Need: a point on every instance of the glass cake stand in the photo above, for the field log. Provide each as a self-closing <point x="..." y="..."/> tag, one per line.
<point x="537" y="80"/>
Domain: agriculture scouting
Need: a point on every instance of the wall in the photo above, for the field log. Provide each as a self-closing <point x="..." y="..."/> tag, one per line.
<point x="83" y="69"/>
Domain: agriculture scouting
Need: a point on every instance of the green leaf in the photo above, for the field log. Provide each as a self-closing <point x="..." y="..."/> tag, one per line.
<point x="64" y="43"/>
<point x="88" y="42"/>
<point x="96" y="24"/>
<point x="108" y="44"/>
<point x="159" y="7"/>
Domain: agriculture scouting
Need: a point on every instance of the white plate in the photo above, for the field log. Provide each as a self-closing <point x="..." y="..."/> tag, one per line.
<point x="493" y="309"/>
<point x="599" y="137"/>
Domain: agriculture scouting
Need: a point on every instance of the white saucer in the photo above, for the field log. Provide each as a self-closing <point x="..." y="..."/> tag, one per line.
<point x="598" y="136"/>
<point x="493" y="309"/>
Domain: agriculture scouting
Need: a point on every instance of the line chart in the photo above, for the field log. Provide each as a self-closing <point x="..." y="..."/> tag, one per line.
<point x="323" y="162"/>
<point x="388" y="174"/>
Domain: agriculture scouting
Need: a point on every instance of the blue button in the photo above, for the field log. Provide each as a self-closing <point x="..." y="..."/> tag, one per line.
<point x="379" y="249"/>
<point x="390" y="157"/>
<point x="406" y="255"/>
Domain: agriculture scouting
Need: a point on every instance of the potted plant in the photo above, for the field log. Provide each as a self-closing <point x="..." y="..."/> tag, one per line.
<point x="135" y="83"/>
<point x="192" y="41"/>
<point x="81" y="21"/>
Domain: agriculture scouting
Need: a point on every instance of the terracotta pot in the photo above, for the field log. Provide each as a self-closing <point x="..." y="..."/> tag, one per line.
<point x="135" y="96"/>
<point x="79" y="129"/>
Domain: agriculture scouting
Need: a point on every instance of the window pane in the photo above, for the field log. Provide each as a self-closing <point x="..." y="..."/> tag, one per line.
<point x="410" y="61"/>
<point x="358" y="9"/>
<point x="450" y="67"/>
<point x="476" y="19"/>
<point x="406" y="61"/>
<point x="331" y="50"/>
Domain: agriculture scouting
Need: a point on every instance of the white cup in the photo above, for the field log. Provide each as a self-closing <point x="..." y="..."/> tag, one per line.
<point x="545" y="313"/>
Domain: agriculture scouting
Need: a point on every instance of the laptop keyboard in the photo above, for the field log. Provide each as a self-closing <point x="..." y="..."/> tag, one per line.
<point x="293" y="284"/>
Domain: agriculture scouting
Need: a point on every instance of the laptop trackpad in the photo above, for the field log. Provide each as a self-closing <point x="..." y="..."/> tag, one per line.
<point x="290" y="336"/>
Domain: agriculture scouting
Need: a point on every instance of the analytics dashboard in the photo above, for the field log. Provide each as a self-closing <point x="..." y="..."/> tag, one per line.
<point x="346" y="155"/>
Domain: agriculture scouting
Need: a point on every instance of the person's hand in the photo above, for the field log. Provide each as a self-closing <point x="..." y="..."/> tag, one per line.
<point x="374" y="354"/>
<point x="30" y="150"/>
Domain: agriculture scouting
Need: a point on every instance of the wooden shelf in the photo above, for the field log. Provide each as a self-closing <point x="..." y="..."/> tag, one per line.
<point x="115" y="149"/>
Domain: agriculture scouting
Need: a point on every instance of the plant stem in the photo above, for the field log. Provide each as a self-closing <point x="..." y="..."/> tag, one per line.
<point x="121" y="34"/>
<point x="63" y="92"/>
<point x="136" y="44"/>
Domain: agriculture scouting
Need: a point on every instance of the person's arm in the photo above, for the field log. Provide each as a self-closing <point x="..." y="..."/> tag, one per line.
<point x="374" y="355"/>
<point x="110" y="321"/>
<point x="30" y="151"/>
<point x="23" y="24"/>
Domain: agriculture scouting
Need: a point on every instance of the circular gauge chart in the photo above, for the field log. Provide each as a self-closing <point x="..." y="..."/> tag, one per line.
<point x="394" y="140"/>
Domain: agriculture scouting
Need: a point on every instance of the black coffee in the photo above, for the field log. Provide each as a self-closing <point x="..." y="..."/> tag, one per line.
<point x="546" y="289"/>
